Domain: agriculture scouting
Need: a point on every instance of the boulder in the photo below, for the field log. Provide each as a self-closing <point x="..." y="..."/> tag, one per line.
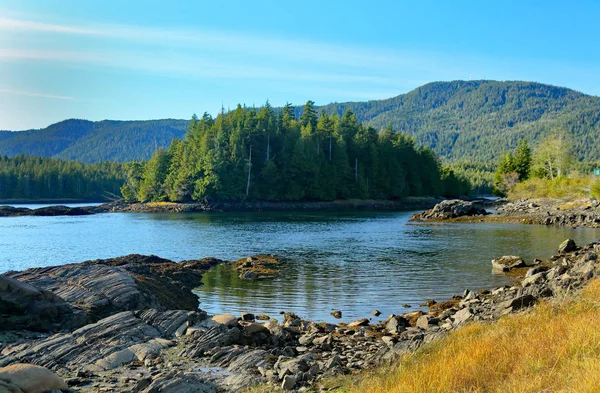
<point x="225" y="319"/>
<point x="507" y="263"/>
<point x="358" y="323"/>
<point x="462" y="316"/>
<point x="336" y="314"/>
<point x="567" y="246"/>
<point x="29" y="378"/>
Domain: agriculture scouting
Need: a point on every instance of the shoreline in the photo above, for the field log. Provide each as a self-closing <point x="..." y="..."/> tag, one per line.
<point x="231" y="352"/>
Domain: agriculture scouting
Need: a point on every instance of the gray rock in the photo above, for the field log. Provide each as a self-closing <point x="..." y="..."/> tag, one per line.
<point x="507" y="263"/>
<point x="462" y="316"/>
<point x="289" y="381"/>
<point x="567" y="246"/>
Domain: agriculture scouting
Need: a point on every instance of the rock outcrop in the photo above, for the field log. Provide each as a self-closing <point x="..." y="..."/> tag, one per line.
<point x="258" y="266"/>
<point x="449" y="209"/>
<point x="9" y="211"/>
<point x="25" y="307"/>
<point x="104" y="287"/>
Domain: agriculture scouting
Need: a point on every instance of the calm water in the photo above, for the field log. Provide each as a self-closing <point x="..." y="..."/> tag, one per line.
<point x="353" y="262"/>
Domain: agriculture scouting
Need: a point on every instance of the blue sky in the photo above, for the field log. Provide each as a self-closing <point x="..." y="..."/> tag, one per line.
<point x="169" y="59"/>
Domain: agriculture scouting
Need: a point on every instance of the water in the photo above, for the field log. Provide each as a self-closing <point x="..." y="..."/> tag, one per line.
<point x="354" y="262"/>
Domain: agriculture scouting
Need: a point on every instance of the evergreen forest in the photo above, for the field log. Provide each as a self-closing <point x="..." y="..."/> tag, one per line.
<point x="34" y="178"/>
<point x="264" y="154"/>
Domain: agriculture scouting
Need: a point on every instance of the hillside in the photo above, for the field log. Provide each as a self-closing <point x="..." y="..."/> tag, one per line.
<point x="471" y="120"/>
<point x="478" y="120"/>
<point x="91" y="142"/>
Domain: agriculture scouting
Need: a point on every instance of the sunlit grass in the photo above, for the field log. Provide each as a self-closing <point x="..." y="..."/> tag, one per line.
<point x="564" y="187"/>
<point x="553" y="348"/>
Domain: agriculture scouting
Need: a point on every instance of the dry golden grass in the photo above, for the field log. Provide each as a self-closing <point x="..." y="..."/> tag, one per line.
<point x="161" y="204"/>
<point x="553" y="348"/>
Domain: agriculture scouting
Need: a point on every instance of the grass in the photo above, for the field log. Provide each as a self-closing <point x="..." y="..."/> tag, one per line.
<point x="563" y="187"/>
<point x="553" y="348"/>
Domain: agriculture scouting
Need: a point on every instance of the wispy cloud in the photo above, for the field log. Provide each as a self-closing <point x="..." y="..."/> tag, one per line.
<point x="222" y="41"/>
<point x="34" y="94"/>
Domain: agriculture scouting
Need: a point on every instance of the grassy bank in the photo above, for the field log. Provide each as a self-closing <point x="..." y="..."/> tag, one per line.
<point x="553" y="348"/>
<point x="563" y="187"/>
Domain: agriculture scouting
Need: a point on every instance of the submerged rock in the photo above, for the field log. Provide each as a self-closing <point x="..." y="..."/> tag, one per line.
<point x="258" y="266"/>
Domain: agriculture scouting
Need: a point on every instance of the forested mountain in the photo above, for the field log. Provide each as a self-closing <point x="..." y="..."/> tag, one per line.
<point x="26" y="177"/>
<point x="460" y="120"/>
<point x="258" y="154"/>
<point x="91" y="142"/>
<point x="479" y="120"/>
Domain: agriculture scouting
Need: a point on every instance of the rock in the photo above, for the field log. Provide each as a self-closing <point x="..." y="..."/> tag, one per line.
<point x="448" y="209"/>
<point x="535" y="270"/>
<point x="425" y="321"/>
<point x="289" y="381"/>
<point x="507" y="263"/>
<point x="248" y="316"/>
<point x="358" y="323"/>
<point x="25" y="307"/>
<point x="182" y="382"/>
<point x="142" y="384"/>
<point x="106" y="344"/>
<point x="225" y="319"/>
<point x="567" y="246"/>
<point x="247" y="275"/>
<point x="336" y="314"/>
<point x="462" y="316"/>
<point x="133" y="282"/>
<point x="395" y="324"/>
<point x="255" y="328"/>
<point x="376" y="313"/>
<point x="519" y="302"/>
<point x="29" y="378"/>
<point x="262" y="317"/>
<point x="533" y="279"/>
<point x="258" y="266"/>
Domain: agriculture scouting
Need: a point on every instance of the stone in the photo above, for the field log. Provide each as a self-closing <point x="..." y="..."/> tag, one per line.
<point x="336" y="314"/>
<point x="29" y="378"/>
<point x="507" y="263"/>
<point x="255" y="328"/>
<point x="426" y="321"/>
<point x="533" y="279"/>
<point x="248" y="275"/>
<point x="225" y="319"/>
<point x="567" y="246"/>
<point x="358" y="323"/>
<point x="376" y="313"/>
<point x="395" y="324"/>
<point x="26" y="307"/>
<point x="519" y="302"/>
<point x="246" y="316"/>
<point x="462" y="316"/>
<point x="289" y="381"/>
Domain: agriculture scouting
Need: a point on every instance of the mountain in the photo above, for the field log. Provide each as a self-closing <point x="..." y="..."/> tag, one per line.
<point x="91" y="142"/>
<point x="460" y="120"/>
<point x="478" y="120"/>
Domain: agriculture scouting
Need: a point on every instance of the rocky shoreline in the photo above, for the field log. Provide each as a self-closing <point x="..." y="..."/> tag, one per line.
<point x="555" y="212"/>
<point x="130" y="324"/>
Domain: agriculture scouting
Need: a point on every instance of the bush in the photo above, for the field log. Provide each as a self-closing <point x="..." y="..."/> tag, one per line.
<point x="595" y="189"/>
<point x="562" y="187"/>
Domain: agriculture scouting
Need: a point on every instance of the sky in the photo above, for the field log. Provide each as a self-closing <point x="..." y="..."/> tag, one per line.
<point x="130" y="60"/>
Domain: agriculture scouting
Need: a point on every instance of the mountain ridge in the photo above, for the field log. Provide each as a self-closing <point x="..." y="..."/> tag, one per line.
<point x="459" y="120"/>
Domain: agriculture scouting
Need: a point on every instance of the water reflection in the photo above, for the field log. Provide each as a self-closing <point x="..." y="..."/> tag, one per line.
<point x="354" y="262"/>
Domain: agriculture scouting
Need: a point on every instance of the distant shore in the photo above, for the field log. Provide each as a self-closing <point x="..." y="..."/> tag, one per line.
<point x="47" y="201"/>
<point x="411" y="203"/>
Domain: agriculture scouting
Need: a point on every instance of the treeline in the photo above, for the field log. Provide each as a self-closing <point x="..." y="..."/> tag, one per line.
<point x="28" y="177"/>
<point x="261" y="154"/>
